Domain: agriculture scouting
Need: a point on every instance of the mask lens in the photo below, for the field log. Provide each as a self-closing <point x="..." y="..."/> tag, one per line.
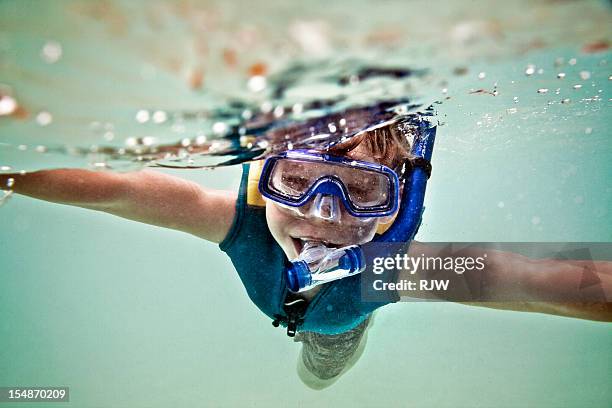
<point x="367" y="189"/>
<point x="290" y="178"/>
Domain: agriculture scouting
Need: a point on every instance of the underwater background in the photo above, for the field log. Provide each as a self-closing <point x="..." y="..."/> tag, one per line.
<point x="131" y="315"/>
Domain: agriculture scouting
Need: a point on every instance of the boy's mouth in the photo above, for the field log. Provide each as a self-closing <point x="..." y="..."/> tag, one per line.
<point x="299" y="243"/>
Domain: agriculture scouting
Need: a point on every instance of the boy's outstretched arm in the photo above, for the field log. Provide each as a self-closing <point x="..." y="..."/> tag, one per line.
<point x="586" y="286"/>
<point x="146" y="196"/>
<point x="510" y="281"/>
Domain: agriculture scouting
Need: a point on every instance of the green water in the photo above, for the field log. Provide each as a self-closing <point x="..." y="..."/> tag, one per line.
<point x="131" y="315"/>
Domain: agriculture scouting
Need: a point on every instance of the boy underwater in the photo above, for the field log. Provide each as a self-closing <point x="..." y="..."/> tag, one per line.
<point x="299" y="202"/>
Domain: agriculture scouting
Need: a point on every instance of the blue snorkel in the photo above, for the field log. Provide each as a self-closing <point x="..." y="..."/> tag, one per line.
<point x="410" y="213"/>
<point x="318" y="264"/>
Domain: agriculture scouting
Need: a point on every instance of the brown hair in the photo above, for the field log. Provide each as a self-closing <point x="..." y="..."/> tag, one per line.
<point x="388" y="145"/>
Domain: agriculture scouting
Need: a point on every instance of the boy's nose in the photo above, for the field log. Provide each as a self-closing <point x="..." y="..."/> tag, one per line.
<point x="327" y="207"/>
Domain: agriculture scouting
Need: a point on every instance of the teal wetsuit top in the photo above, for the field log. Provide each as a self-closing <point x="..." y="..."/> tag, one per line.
<point x="260" y="263"/>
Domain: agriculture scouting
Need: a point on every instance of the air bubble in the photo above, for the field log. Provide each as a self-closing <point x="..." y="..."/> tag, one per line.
<point x="5" y="168"/>
<point x="572" y="61"/>
<point x="219" y="128"/>
<point x="131" y="141"/>
<point x="257" y="83"/>
<point x="247" y="114"/>
<point x="297" y="108"/>
<point x="8" y="105"/>
<point x="543" y="90"/>
<point x="142" y="116"/>
<point x="44" y="118"/>
<point x="561" y="75"/>
<point x="577" y="86"/>
<point x="159" y="116"/>
<point x="482" y="75"/>
<point x="279" y="111"/>
<point x="530" y="70"/>
<point x="10" y="182"/>
<point x="51" y="52"/>
<point x="266" y="107"/>
<point x="148" y="140"/>
<point x="584" y="75"/>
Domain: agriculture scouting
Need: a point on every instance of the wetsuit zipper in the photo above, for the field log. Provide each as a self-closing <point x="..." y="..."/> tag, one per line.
<point x="296" y="317"/>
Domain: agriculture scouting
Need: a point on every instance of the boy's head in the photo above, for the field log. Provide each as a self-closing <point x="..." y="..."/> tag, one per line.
<point x="291" y="227"/>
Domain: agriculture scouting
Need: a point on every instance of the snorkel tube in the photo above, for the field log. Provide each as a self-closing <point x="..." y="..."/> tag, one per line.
<point x="318" y="264"/>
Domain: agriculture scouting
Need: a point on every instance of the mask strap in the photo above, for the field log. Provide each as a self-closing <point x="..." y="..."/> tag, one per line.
<point x="410" y="164"/>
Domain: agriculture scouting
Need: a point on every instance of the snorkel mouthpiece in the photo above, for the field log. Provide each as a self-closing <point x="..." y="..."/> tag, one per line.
<point x="318" y="264"/>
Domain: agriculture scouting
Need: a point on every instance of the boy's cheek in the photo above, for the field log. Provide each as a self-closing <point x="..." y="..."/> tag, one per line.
<point x="278" y="223"/>
<point x="281" y="225"/>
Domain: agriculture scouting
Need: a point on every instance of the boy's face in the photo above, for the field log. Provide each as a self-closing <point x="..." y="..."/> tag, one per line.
<point x="291" y="229"/>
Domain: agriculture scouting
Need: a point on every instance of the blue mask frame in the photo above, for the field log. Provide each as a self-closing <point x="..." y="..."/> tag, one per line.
<point x="331" y="185"/>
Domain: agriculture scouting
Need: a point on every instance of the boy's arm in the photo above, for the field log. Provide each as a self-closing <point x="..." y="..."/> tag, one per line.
<point x="146" y="196"/>
<point x="531" y="282"/>
<point x="580" y="282"/>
